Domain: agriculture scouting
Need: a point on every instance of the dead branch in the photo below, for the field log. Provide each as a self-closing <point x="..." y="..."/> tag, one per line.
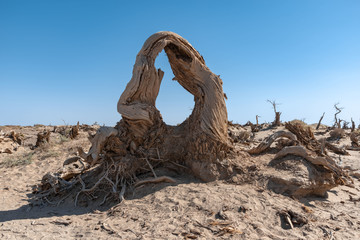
<point x="151" y="168"/>
<point x="263" y="146"/>
<point x="338" y="110"/>
<point x="155" y="180"/>
<point x="319" y="123"/>
<point x="84" y="189"/>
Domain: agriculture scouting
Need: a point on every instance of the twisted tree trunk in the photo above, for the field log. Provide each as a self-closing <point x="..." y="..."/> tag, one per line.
<point x="202" y="138"/>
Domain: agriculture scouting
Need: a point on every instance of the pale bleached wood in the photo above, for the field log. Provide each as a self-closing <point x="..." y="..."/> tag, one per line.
<point x="264" y="145"/>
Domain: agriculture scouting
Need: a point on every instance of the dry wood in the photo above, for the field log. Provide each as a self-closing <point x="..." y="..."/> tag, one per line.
<point x="277" y="114"/>
<point x="338" y="110"/>
<point x="155" y="180"/>
<point x="202" y="139"/>
<point x="326" y="161"/>
<point x="42" y="138"/>
<point x="263" y="146"/>
<point x="352" y="125"/>
<point x="319" y="123"/>
<point x="74" y="131"/>
<point x="97" y="144"/>
<point x="336" y="149"/>
<point x="137" y="103"/>
<point x="16" y="137"/>
<point x="306" y="137"/>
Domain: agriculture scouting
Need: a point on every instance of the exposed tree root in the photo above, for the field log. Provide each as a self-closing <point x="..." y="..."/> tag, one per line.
<point x="155" y="180"/>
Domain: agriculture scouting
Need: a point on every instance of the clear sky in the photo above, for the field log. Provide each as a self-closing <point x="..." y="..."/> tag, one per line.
<point x="70" y="60"/>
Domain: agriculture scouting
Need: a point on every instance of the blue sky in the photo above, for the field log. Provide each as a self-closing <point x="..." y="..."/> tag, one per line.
<point x="69" y="61"/>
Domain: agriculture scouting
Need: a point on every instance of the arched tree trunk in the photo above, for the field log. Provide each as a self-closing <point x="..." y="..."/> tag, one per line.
<point x="200" y="139"/>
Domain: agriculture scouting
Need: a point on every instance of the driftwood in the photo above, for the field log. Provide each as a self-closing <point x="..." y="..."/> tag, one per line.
<point x="264" y="145"/>
<point x="319" y="123"/>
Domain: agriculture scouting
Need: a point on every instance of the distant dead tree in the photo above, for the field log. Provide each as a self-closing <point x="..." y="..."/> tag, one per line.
<point x="352" y="125"/>
<point x="319" y="123"/>
<point x="277" y="114"/>
<point x="338" y="110"/>
<point x="257" y="120"/>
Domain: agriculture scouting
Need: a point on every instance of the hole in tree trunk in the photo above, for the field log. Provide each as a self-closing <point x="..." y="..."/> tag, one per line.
<point x="174" y="102"/>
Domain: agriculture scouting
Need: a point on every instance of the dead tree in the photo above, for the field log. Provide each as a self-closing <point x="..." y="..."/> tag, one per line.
<point x="319" y="123"/>
<point x="352" y="125"/>
<point x="42" y="138"/>
<point x="277" y="114"/>
<point x="338" y="110"/>
<point x="74" y="132"/>
<point x="202" y="138"/>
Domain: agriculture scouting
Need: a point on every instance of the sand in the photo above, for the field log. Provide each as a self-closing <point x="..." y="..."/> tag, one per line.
<point x="242" y="207"/>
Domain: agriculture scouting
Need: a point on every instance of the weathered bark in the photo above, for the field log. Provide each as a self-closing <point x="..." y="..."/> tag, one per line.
<point x="98" y="143"/>
<point x="319" y="123"/>
<point x="277" y="119"/>
<point x="201" y="138"/>
<point x="306" y="137"/>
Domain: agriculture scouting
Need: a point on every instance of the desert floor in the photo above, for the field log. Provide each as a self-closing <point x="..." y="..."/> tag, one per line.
<point x="240" y="208"/>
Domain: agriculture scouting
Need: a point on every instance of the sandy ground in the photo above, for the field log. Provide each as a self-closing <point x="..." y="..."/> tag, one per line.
<point x="240" y="208"/>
